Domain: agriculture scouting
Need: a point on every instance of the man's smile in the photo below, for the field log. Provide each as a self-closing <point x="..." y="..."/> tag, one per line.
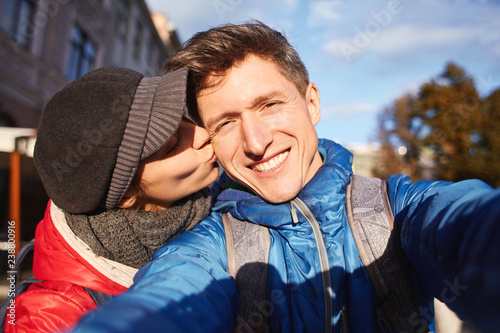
<point x="272" y="163"/>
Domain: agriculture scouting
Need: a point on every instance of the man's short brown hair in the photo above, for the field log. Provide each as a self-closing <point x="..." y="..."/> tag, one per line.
<point x="213" y="52"/>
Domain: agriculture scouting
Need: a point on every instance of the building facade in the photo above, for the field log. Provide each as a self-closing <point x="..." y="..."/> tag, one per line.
<point x="44" y="44"/>
<point x="364" y="158"/>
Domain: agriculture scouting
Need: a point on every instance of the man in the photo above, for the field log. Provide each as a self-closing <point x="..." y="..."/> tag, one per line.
<point x="253" y="95"/>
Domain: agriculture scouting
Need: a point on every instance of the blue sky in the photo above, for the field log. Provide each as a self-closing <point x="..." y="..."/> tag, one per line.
<point x="364" y="54"/>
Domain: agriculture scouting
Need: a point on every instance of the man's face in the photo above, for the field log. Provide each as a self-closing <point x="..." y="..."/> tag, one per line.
<point x="262" y="129"/>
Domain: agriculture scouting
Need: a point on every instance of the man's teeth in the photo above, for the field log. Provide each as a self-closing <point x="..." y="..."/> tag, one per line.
<point x="271" y="164"/>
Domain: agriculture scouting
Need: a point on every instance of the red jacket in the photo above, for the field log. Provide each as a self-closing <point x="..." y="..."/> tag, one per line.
<point x="65" y="265"/>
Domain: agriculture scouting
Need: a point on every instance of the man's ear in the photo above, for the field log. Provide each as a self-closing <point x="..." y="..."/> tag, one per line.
<point x="312" y="100"/>
<point x="127" y="201"/>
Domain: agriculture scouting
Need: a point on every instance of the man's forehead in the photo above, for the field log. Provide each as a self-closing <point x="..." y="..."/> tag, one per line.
<point x="216" y="78"/>
<point x="247" y="85"/>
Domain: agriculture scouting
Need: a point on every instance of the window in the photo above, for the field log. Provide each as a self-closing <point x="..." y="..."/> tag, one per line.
<point x="138" y="41"/>
<point x="82" y="54"/>
<point x="17" y="20"/>
<point x="121" y="19"/>
<point x="150" y="50"/>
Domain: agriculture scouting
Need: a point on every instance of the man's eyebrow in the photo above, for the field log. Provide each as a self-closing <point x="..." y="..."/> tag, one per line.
<point x="257" y="101"/>
<point x="261" y="99"/>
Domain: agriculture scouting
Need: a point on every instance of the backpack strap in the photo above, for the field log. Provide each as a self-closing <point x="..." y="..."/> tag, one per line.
<point x="377" y="238"/>
<point x="247" y="246"/>
<point x="98" y="296"/>
<point x="25" y="250"/>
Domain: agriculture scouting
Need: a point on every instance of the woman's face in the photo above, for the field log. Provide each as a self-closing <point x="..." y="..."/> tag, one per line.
<point x="184" y="165"/>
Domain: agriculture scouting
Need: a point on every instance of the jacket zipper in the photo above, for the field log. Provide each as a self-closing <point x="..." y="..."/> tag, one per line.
<point x="343" y="320"/>
<point x="323" y="257"/>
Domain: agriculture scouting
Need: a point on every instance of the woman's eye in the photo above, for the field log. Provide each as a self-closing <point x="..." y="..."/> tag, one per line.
<point x="174" y="148"/>
<point x="172" y="145"/>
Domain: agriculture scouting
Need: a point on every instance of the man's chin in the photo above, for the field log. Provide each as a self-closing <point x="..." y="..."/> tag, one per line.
<point x="273" y="191"/>
<point x="278" y="197"/>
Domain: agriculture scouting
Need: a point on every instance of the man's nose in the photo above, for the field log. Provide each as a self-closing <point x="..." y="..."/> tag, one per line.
<point x="200" y="137"/>
<point x="257" y="135"/>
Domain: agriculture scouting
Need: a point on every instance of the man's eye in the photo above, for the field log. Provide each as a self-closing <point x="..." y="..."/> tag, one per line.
<point x="221" y="126"/>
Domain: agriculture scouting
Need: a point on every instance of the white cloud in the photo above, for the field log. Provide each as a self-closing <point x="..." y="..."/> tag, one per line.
<point x="322" y="12"/>
<point x="408" y="38"/>
<point x="402" y="39"/>
<point x="349" y="110"/>
<point x="423" y="26"/>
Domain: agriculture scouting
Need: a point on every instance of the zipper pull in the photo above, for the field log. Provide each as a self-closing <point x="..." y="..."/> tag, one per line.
<point x="295" y="219"/>
<point x="343" y="320"/>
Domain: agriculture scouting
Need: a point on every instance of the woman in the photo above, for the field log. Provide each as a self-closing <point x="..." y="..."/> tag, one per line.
<point x="125" y="173"/>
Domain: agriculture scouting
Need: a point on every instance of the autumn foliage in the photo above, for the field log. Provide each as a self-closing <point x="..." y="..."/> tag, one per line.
<point x="445" y="131"/>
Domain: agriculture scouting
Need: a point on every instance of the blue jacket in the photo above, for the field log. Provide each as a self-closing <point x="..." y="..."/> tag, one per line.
<point x="449" y="232"/>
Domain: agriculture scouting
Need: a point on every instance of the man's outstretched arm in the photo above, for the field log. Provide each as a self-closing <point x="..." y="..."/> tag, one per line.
<point x="451" y="234"/>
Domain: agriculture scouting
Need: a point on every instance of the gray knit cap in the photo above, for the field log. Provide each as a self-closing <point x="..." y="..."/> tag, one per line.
<point x="96" y="130"/>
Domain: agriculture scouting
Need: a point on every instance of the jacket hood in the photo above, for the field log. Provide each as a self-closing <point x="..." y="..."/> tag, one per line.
<point x="244" y="205"/>
<point x="61" y="256"/>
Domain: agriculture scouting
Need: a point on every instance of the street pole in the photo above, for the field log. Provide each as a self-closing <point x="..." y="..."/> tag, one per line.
<point x="15" y="196"/>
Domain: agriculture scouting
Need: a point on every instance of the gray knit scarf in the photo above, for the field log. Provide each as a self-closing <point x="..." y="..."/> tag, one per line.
<point x="129" y="236"/>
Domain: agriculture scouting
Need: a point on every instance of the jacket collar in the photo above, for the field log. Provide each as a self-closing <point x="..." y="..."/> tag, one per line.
<point x="61" y="256"/>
